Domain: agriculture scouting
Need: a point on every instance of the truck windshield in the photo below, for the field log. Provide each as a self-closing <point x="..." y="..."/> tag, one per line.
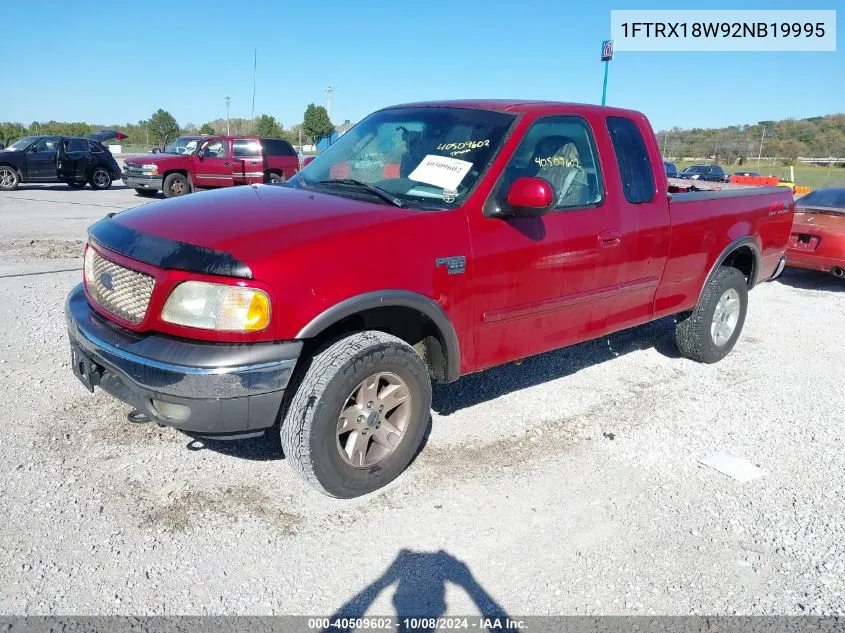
<point x="22" y="143"/>
<point x="424" y="156"/>
<point x="182" y="145"/>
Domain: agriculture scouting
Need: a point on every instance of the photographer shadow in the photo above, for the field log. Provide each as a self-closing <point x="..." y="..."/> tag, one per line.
<point x="420" y="579"/>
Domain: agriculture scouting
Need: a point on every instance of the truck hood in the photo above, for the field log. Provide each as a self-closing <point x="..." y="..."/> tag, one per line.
<point x="253" y="222"/>
<point x="159" y="159"/>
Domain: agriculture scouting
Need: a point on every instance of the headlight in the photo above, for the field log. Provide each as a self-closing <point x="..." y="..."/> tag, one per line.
<point x="88" y="270"/>
<point x="217" y="307"/>
<point x="151" y="170"/>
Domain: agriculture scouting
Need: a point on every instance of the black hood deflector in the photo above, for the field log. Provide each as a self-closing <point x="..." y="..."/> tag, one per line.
<point x="165" y="253"/>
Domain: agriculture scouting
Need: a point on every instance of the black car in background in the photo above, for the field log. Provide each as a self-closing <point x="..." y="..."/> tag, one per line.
<point x="712" y="173"/>
<point x="671" y="170"/>
<point x="75" y="160"/>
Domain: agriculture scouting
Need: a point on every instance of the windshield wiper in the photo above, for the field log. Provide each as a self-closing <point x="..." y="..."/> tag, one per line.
<point x="376" y="191"/>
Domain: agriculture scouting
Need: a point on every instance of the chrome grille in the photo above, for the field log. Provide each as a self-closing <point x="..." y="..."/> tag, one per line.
<point x="129" y="168"/>
<point x="122" y="291"/>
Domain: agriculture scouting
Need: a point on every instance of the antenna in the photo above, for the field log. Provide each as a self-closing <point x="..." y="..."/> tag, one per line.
<point x="329" y="93"/>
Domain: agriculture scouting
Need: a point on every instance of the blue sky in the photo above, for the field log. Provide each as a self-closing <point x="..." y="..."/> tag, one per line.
<point x="69" y="66"/>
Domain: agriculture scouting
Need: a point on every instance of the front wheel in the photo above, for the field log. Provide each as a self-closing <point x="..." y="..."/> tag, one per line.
<point x="9" y="179"/>
<point x="359" y="414"/>
<point x="176" y="185"/>
<point x="710" y="330"/>
<point x="100" y="178"/>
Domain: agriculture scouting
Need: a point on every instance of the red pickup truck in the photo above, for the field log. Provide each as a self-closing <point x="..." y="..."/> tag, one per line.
<point x="202" y="162"/>
<point x="430" y="241"/>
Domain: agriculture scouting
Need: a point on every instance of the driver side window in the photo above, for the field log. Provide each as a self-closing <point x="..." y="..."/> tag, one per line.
<point x="562" y="151"/>
<point x="46" y="145"/>
<point x="216" y="149"/>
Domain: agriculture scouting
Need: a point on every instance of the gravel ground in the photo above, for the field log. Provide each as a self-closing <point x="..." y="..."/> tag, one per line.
<point x="567" y="485"/>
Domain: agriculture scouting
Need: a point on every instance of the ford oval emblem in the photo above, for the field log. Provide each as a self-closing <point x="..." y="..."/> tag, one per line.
<point x="106" y="281"/>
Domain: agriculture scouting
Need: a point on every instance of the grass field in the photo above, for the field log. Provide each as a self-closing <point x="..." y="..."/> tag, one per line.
<point x="805" y="175"/>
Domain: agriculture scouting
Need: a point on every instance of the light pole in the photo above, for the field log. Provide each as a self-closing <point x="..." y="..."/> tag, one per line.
<point x="228" y="100"/>
<point x="329" y="92"/>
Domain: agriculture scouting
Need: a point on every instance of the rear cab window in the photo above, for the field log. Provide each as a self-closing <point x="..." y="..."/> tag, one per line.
<point x="246" y="148"/>
<point x="633" y="160"/>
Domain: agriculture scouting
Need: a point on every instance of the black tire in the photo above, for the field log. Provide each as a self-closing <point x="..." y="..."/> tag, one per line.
<point x="176" y="185"/>
<point x="272" y="177"/>
<point x="9" y="178"/>
<point x="146" y="193"/>
<point x="77" y="185"/>
<point x="693" y="334"/>
<point x="100" y="178"/>
<point x="309" y="430"/>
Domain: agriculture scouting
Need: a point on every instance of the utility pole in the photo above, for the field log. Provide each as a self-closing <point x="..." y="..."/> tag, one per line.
<point x="254" y="67"/>
<point x="760" y="153"/>
<point x="228" y="100"/>
<point x="329" y="93"/>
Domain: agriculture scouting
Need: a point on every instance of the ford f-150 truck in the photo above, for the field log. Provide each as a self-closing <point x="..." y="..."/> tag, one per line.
<point x="204" y="162"/>
<point x="430" y="241"/>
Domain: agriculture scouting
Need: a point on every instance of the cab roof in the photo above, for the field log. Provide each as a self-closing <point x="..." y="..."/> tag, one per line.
<point x="521" y="106"/>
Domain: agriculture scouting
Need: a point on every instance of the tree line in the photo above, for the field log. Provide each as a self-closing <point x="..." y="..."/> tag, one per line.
<point x="162" y="125"/>
<point x="787" y="139"/>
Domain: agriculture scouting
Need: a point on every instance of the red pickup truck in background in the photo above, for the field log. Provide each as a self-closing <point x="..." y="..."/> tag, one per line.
<point x="430" y="241"/>
<point x="197" y="162"/>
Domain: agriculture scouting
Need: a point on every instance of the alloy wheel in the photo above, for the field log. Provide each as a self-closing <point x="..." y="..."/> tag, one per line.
<point x="373" y="420"/>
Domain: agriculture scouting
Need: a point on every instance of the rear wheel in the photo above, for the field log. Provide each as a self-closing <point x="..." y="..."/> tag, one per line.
<point x="359" y="414"/>
<point x="9" y="179"/>
<point x="176" y="185"/>
<point x="100" y="178"/>
<point x="273" y="177"/>
<point x="708" y="332"/>
<point x="146" y="193"/>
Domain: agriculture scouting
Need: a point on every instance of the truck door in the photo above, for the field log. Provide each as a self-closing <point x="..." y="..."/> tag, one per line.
<point x="41" y="159"/>
<point x="548" y="281"/>
<point x="213" y="164"/>
<point x="247" y="161"/>
<point x="643" y="227"/>
<point x="73" y="160"/>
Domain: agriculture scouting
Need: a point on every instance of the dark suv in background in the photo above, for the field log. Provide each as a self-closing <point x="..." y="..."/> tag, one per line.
<point x="75" y="160"/>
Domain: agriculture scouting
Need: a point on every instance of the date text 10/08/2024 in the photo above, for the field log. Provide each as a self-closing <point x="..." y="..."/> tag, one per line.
<point x="416" y="623"/>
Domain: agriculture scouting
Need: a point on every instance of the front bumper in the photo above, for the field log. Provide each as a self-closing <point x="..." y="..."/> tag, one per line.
<point x="222" y="389"/>
<point x="137" y="181"/>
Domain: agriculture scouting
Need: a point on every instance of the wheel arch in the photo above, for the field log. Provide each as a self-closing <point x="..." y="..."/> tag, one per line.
<point x="407" y="315"/>
<point x="16" y="168"/>
<point x="183" y="172"/>
<point x="743" y="254"/>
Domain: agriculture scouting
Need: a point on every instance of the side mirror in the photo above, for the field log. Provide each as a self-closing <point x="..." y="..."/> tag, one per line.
<point x="201" y="151"/>
<point x="530" y="197"/>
